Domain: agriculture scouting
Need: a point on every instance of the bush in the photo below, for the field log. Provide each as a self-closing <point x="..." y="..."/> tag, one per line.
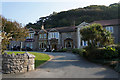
<point x="110" y="52"/>
<point x="63" y="50"/>
<point x="93" y="53"/>
<point x="23" y="49"/>
<point x="79" y="51"/>
<point x="101" y="53"/>
<point x="75" y="50"/>
<point x="28" y="49"/>
<point x="118" y="49"/>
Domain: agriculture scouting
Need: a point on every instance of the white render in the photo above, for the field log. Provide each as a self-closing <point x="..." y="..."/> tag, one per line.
<point x="83" y="24"/>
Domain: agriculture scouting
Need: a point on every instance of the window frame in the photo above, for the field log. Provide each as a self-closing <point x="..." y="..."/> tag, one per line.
<point x="84" y="43"/>
<point x="109" y="28"/>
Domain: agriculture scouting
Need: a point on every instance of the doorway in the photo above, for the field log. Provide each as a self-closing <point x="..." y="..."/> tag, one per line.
<point x="54" y="46"/>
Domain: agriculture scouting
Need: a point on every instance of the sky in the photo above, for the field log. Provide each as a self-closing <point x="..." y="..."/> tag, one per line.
<point x="25" y="11"/>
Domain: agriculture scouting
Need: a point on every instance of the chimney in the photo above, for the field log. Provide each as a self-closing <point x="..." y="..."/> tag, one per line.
<point x="42" y="27"/>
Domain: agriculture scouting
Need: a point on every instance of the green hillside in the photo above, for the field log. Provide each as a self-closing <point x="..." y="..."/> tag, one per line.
<point x="76" y="16"/>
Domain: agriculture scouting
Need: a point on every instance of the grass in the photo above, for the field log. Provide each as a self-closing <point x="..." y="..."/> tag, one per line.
<point x="40" y="58"/>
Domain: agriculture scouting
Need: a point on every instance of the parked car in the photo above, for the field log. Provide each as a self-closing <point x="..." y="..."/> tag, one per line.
<point x="28" y="49"/>
<point x="16" y="48"/>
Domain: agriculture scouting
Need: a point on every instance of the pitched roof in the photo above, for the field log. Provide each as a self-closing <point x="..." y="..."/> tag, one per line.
<point x="108" y="22"/>
<point x="36" y="31"/>
<point x="64" y="29"/>
<point x="42" y="31"/>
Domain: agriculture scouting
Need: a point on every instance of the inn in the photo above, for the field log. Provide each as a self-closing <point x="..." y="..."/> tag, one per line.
<point x="57" y="38"/>
<point x="64" y="37"/>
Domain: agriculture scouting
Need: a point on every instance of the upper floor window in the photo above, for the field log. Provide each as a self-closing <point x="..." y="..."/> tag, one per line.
<point x="31" y="35"/>
<point x="42" y="36"/>
<point x="54" y="35"/>
<point x="45" y="35"/>
<point x="110" y="29"/>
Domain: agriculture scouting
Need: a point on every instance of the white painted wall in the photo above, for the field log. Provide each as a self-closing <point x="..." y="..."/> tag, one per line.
<point x="83" y="24"/>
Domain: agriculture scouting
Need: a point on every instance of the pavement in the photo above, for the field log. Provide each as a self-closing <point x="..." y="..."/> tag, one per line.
<point x="67" y="65"/>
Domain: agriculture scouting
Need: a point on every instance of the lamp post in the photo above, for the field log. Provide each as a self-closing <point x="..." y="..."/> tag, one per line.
<point x="21" y="46"/>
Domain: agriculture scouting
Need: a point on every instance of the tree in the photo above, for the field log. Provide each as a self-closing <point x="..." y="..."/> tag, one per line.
<point x="87" y="14"/>
<point x="95" y="34"/>
<point x="11" y="31"/>
<point x="5" y="40"/>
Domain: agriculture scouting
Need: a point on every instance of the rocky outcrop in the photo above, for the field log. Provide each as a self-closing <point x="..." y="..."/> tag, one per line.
<point x="18" y="63"/>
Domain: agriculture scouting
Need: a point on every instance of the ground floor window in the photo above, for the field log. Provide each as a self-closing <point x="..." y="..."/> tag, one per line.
<point x="27" y="45"/>
<point x="42" y="45"/>
<point x="30" y="45"/>
<point x="84" y="43"/>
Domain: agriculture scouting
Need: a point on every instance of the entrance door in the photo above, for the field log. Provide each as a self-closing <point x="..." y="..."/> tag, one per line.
<point x="54" y="46"/>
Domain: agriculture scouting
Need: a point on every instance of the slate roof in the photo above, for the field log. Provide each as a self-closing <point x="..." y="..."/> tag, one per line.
<point x="73" y="28"/>
<point x="108" y="22"/>
<point x="64" y="29"/>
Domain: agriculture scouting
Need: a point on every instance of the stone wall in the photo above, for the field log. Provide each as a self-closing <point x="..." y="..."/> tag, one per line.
<point x="18" y="63"/>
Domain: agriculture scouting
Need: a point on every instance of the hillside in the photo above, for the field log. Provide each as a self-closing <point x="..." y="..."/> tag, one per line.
<point x="76" y="16"/>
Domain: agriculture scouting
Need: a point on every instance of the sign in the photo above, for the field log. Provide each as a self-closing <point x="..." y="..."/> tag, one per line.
<point x="29" y="40"/>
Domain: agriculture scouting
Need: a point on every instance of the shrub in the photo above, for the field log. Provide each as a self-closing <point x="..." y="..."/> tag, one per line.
<point x="78" y="51"/>
<point x="101" y="53"/>
<point x="61" y="50"/>
<point x="118" y="49"/>
<point x="75" y="50"/>
<point x="110" y="52"/>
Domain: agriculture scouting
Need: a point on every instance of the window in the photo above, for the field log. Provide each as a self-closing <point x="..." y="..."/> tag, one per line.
<point x="31" y="35"/>
<point x="53" y="35"/>
<point x="84" y="43"/>
<point x="28" y="36"/>
<point x="110" y="29"/>
<point x="45" y="35"/>
<point x="40" y="36"/>
<point x="31" y="45"/>
<point x="42" y="45"/>
<point x="27" y="45"/>
<point x="56" y="34"/>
